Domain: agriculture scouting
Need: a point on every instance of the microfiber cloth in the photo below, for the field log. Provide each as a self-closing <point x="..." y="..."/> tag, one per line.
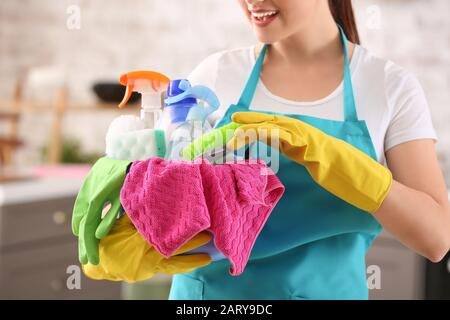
<point x="169" y="202"/>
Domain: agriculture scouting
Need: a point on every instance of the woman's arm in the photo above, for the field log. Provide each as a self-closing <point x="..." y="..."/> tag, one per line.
<point x="416" y="210"/>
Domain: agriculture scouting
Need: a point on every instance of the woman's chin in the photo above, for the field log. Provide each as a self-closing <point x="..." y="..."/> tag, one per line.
<point x="266" y="37"/>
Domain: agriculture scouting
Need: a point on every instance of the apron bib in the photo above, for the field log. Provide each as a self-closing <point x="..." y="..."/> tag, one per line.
<point x="313" y="245"/>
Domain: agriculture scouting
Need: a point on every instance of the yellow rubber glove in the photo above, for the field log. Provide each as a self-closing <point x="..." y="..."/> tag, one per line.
<point x="126" y="256"/>
<point x="337" y="166"/>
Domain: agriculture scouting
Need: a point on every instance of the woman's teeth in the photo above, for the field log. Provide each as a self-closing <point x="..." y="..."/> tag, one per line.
<point x="263" y="15"/>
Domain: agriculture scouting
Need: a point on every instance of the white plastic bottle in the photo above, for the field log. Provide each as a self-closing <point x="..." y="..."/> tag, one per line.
<point x="136" y="138"/>
<point x="185" y="113"/>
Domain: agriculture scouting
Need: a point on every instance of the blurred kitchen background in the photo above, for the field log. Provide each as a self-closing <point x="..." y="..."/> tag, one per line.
<point x="52" y="122"/>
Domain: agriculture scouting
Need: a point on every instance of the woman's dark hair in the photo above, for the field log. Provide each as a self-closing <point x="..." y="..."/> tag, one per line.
<point x="342" y="12"/>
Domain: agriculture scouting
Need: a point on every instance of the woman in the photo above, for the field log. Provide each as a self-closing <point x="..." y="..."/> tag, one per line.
<point x="336" y="203"/>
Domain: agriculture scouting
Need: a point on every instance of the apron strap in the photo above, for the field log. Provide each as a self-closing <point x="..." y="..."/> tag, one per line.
<point x="249" y="91"/>
<point x="349" y="99"/>
<point x="350" y="113"/>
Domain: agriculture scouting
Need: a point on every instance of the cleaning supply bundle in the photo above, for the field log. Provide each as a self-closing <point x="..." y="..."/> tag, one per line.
<point x="167" y="213"/>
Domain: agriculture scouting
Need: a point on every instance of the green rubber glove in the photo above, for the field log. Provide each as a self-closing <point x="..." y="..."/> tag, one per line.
<point x="210" y="140"/>
<point x="101" y="186"/>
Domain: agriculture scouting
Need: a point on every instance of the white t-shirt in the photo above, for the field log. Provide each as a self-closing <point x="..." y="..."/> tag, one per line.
<point x="388" y="98"/>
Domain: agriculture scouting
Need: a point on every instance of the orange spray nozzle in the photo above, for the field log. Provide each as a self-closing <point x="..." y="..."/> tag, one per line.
<point x="133" y="81"/>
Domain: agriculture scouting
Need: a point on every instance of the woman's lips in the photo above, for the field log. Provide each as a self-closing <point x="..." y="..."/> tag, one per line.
<point x="263" y="18"/>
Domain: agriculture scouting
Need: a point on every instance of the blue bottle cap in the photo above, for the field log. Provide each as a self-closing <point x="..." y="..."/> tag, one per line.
<point x="183" y="98"/>
<point x="175" y="88"/>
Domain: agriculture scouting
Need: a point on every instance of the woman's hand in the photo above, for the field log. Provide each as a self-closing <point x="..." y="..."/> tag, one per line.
<point x="337" y="166"/>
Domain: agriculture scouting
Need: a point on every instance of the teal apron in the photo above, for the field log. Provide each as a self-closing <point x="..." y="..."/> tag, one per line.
<point x="313" y="246"/>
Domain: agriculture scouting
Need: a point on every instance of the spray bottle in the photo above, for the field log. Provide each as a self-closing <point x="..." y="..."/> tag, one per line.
<point x="133" y="138"/>
<point x="150" y="85"/>
<point x="185" y="113"/>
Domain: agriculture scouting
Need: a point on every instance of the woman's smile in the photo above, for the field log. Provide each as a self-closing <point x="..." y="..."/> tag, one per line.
<point x="263" y="18"/>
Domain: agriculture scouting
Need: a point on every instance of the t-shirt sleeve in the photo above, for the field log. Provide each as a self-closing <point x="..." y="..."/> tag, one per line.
<point x="205" y="72"/>
<point x="409" y="110"/>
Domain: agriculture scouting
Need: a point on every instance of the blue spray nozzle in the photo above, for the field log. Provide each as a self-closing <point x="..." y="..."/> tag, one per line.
<point x="197" y="92"/>
<point x="203" y="93"/>
<point x="175" y="88"/>
<point x="184" y="84"/>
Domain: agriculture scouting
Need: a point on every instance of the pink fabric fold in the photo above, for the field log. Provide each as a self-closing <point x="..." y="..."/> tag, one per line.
<point x="169" y="202"/>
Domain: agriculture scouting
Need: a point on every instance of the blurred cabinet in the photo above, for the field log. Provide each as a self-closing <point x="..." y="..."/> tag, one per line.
<point x="402" y="271"/>
<point x="405" y="274"/>
<point x="37" y="247"/>
<point x="438" y="279"/>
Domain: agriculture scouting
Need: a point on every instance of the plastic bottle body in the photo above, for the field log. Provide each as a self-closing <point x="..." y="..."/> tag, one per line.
<point x="150" y="117"/>
<point x="183" y="134"/>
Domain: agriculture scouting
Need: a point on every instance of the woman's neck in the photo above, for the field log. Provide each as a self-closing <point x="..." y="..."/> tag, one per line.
<point x="311" y="60"/>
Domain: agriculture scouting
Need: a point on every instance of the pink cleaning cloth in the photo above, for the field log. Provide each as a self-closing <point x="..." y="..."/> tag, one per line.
<point x="169" y="202"/>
